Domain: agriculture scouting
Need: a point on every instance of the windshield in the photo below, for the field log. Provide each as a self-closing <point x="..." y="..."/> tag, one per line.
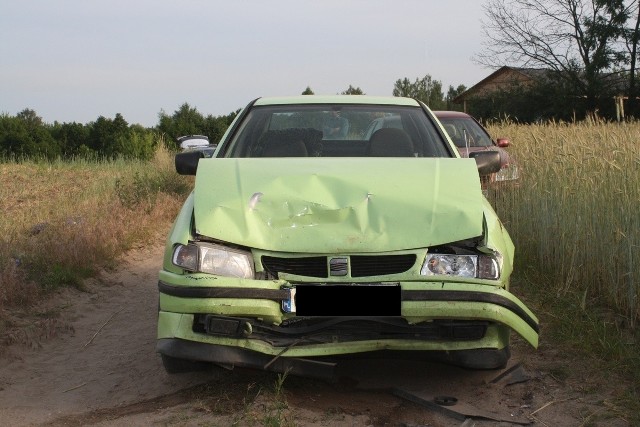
<point x="460" y="128"/>
<point x="336" y="131"/>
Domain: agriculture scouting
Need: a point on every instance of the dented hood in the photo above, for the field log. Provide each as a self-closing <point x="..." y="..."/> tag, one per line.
<point x="320" y="205"/>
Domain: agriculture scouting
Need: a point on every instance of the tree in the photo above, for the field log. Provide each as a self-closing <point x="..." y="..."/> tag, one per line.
<point x="139" y="143"/>
<point x="14" y="138"/>
<point x="27" y="135"/>
<point x="72" y="138"/>
<point x="423" y="89"/>
<point x="216" y="126"/>
<point x="186" y="120"/>
<point x="452" y="94"/>
<point x="308" y="91"/>
<point x="108" y="137"/>
<point x="353" y="91"/>
<point x="30" y="118"/>
<point x="576" y="39"/>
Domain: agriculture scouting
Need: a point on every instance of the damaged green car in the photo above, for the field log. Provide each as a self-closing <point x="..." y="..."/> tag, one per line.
<point x="308" y="239"/>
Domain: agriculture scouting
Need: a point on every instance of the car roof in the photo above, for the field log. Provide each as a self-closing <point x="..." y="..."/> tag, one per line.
<point x="450" y="114"/>
<point x="188" y="137"/>
<point x="337" y="99"/>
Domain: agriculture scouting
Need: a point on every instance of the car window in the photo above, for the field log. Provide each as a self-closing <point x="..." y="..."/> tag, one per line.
<point x="465" y="130"/>
<point x="336" y="131"/>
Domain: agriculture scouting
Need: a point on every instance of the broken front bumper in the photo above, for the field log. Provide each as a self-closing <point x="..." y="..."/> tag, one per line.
<point x="251" y="315"/>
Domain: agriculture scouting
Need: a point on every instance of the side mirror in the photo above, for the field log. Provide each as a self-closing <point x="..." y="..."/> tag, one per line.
<point x="187" y="162"/>
<point x="488" y="162"/>
<point x="503" y="142"/>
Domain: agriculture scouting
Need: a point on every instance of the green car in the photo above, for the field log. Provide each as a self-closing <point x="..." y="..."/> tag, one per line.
<point x="308" y="239"/>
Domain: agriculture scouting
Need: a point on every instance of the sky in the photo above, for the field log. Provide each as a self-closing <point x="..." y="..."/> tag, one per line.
<point x="77" y="60"/>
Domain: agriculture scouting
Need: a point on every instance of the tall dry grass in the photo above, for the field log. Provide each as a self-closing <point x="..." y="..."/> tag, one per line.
<point x="575" y="218"/>
<point x="63" y="221"/>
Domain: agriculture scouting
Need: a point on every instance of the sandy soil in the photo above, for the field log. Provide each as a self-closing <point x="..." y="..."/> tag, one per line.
<point x="89" y="359"/>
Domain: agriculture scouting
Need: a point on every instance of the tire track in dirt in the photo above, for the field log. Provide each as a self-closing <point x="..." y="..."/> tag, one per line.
<point x="108" y="359"/>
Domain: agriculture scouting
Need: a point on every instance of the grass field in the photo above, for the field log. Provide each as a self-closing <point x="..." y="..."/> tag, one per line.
<point x="63" y="221"/>
<point x="575" y="220"/>
<point x="575" y="217"/>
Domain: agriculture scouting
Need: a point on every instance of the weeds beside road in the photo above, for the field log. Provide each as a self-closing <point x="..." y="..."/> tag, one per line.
<point x="62" y="222"/>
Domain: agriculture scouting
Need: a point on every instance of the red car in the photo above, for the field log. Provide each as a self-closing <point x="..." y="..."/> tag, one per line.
<point x="469" y="135"/>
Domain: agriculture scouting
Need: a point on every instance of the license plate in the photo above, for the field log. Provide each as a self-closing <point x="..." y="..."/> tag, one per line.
<point x="344" y="300"/>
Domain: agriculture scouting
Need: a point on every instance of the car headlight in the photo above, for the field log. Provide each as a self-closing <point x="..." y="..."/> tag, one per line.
<point x="476" y="266"/>
<point x="214" y="259"/>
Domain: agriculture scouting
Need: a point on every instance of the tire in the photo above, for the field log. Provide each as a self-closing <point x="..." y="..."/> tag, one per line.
<point x="174" y="365"/>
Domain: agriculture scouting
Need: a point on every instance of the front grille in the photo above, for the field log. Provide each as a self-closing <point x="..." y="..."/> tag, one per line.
<point x="308" y="266"/>
<point x="361" y="265"/>
<point x="379" y="265"/>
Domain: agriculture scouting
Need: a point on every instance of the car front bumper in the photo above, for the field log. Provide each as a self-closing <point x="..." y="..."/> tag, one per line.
<point x="248" y="316"/>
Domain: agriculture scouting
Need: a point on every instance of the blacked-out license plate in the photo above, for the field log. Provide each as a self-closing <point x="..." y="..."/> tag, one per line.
<point x="345" y="300"/>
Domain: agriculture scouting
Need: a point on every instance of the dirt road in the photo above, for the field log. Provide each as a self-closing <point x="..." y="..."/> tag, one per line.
<point x="91" y="361"/>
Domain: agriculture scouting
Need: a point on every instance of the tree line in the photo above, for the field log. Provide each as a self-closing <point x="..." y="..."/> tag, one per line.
<point x="26" y="135"/>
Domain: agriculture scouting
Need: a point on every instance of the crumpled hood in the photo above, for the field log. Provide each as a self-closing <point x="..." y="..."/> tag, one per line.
<point x="338" y="205"/>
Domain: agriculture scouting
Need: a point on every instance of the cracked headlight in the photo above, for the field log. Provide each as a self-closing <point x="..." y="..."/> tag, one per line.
<point x="214" y="259"/>
<point x="476" y="266"/>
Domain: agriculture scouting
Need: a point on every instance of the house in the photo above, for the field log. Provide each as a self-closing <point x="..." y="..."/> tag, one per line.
<point x="505" y="79"/>
<point x="500" y="80"/>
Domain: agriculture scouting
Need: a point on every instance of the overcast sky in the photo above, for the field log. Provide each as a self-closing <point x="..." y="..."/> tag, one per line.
<point x="76" y="60"/>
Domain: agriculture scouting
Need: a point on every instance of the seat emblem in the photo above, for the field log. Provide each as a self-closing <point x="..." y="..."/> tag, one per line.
<point x="338" y="266"/>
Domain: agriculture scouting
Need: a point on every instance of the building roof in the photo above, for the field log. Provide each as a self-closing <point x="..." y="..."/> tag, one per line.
<point x="527" y="74"/>
<point x="615" y="81"/>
